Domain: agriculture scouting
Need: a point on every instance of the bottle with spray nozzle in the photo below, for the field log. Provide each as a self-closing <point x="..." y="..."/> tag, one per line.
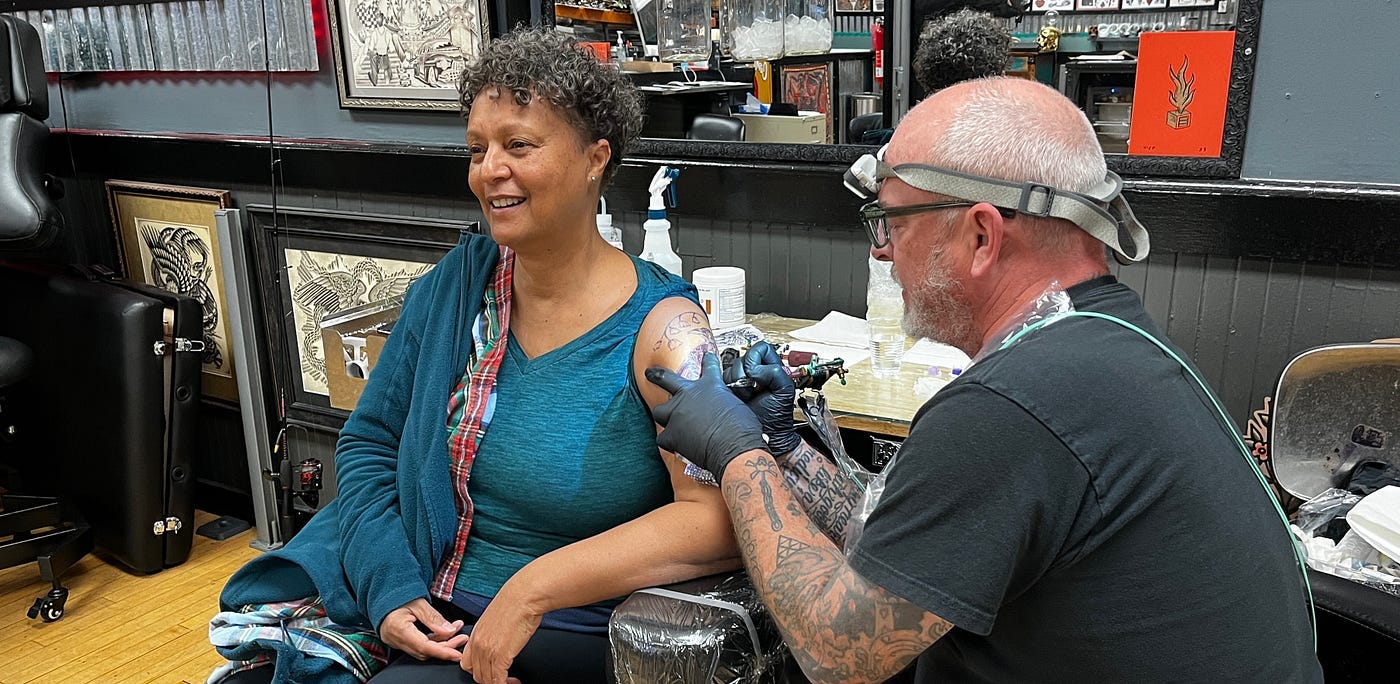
<point x="657" y="246"/>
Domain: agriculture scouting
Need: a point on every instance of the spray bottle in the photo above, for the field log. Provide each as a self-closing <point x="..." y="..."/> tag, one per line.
<point x="657" y="247"/>
<point x="606" y="228"/>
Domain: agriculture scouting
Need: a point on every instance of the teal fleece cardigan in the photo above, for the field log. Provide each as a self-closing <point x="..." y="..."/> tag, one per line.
<point x="377" y="545"/>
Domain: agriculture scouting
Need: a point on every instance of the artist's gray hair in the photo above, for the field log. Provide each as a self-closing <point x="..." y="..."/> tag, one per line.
<point x="1021" y="130"/>
<point x="597" y="99"/>
<point x="961" y="46"/>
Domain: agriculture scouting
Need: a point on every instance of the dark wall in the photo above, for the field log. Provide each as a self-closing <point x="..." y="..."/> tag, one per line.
<point x="1243" y="275"/>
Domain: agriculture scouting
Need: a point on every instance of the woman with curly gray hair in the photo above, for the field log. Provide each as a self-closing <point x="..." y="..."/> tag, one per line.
<point x="958" y="47"/>
<point x="500" y="544"/>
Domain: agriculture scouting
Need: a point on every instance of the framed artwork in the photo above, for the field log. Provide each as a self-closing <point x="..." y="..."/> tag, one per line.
<point x="404" y="54"/>
<point x="1144" y="4"/>
<point x="1193" y="3"/>
<point x="862" y="6"/>
<point x="808" y="86"/>
<point x="877" y="6"/>
<point x="1095" y="5"/>
<point x="1047" y="5"/>
<point x="313" y="263"/>
<point x="166" y="237"/>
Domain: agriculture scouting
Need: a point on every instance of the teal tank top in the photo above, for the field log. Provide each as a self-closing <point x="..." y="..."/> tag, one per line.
<point x="571" y="451"/>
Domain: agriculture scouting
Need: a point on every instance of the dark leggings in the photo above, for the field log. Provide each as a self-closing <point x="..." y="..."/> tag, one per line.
<point x="551" y="655"/>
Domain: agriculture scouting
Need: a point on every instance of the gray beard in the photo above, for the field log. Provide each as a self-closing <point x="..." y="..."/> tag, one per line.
<point x="935" y="311"/>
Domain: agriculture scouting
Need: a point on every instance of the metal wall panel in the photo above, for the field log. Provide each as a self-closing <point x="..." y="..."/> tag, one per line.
<point x="195" y="35"/>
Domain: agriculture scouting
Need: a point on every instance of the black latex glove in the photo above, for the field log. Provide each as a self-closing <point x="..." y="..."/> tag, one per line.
<point x="770" y="395"/>
<point x="703" y="420"/>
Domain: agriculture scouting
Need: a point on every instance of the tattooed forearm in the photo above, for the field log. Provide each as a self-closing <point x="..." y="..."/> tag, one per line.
<point x="840" y="627"/>
<point x="760" y="469"/>
<point x="827" y="495"/>
<point x="688" y="329"/>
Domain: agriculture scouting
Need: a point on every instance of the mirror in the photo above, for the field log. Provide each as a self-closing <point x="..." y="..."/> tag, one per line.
<point x="1080" y="61"/>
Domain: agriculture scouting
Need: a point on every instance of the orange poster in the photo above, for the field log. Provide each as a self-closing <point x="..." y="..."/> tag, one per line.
<point x="1183" y="82"/>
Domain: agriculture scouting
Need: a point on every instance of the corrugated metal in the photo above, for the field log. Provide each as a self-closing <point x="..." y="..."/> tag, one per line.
<point x="196" y="35"/>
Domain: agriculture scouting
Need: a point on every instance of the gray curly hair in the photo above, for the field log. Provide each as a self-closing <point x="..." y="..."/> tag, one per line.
<point x="597" y="100"/>
<point x="961" y="46"/>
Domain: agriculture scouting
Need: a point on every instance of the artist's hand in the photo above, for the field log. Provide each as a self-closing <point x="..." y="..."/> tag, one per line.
<point x="497" y="638"/>
<point x="770" y="396"/>
<point x="400" y="630"/>
<point x="703" y="420"/>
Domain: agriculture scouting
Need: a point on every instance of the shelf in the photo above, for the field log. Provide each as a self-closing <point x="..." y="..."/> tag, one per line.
<point x="591" y="14"/>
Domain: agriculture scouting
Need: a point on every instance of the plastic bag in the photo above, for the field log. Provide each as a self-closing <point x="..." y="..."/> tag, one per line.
<point x="1319" y="511"/>
<point x="1350" y="557"/>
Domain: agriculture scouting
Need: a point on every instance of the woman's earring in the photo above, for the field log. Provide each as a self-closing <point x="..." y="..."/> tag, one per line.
<point x="593" y="179"/>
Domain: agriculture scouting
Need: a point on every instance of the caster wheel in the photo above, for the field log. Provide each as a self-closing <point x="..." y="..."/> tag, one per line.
<point x="49" y="608"/>
<point x="50" y="612"/>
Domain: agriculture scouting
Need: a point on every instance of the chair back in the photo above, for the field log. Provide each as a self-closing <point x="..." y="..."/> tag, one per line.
<point x="716" y="127"/>
<point x="29" y="219"/>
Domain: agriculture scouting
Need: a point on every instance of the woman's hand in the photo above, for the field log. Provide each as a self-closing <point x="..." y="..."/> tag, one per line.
<point x="400" y="630"/>
<point x="497" y="637"/>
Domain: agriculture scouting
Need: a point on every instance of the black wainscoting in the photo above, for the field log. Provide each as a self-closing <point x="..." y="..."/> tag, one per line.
<point x="1291" y="221"/>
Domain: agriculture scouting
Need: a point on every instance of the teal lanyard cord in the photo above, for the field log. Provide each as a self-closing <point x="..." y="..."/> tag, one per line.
<point x="1225" y="421"/>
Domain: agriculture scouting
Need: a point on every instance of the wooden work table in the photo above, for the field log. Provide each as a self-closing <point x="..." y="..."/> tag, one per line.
<point x="866" y="403"/>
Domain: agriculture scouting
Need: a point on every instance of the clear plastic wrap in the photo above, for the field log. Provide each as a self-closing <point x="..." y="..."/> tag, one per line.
<point x="1350" y="557"/>
<point x="1319" y="511"/>
<point x="713" y="630"/>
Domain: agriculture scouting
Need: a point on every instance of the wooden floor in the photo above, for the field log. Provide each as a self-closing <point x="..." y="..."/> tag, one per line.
<point x="119" y="626"/>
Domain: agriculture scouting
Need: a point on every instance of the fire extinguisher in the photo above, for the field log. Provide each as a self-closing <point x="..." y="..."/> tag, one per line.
<point x="877" y="45"/>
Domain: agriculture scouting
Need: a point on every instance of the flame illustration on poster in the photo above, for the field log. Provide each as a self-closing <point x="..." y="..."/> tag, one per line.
<point x="1181" y="96"/>
<point x="1181" y="93"/>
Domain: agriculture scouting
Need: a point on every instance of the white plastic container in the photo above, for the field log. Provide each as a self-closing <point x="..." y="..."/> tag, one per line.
<point x="611" y="233"/>
<point x="722" y="292"/>
<point x="656" y="245"/>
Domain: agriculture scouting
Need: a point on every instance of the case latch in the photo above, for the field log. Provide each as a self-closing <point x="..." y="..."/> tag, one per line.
<point x="181" y="345"/>
<point x="171" y="525"/>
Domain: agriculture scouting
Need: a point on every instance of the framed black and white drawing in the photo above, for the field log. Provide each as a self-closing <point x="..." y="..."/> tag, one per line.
<point x="166" y="236"/>
<point x="313" y="263"/>
<point x="404" y="54"/>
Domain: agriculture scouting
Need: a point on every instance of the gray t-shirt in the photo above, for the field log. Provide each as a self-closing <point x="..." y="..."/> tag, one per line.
<point x="1073" y="505"/>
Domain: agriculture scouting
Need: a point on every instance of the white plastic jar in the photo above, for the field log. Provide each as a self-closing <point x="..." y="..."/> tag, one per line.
<point x="721" y="290"/>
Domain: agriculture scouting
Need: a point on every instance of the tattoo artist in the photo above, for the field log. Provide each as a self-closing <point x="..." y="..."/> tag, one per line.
<point x="1071" y="508"/>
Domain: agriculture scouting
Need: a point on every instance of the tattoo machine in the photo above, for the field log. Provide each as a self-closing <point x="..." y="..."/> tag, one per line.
<point x="806" y="369"/>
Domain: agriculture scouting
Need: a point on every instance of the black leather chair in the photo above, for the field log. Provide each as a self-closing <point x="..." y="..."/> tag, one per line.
<point x="860" y="124"/>
<point x="40" y="529"/>
<point x="1358" y="628"/>
<point x="716" y="127"/>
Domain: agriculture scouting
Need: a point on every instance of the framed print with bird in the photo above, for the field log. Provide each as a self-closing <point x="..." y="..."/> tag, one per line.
<point x="166" y="237"/>
<point x="316" y="263"/>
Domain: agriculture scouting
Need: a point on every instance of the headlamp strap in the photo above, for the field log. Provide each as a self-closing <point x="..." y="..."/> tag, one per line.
<point x="1037" y="199"/>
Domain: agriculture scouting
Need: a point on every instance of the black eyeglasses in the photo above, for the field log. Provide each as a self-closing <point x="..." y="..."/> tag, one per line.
<point x="874" y="217"/>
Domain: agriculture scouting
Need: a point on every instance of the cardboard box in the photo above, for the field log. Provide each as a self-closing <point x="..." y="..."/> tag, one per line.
<point x="352" y="340"/>
<point x="806" y="127"/>
<point x="647" y="66"/>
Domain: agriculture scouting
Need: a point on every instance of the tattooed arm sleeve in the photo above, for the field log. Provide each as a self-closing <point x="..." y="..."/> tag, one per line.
<point x="823" y="491"/>
<point x="840" y="627"/>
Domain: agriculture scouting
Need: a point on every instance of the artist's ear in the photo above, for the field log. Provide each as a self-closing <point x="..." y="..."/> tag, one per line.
<point x="986" y="230"/>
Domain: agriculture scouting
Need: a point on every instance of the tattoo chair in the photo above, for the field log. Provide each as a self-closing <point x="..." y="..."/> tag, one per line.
<point x="1325" y="398"/>
<point x="32" y="528"/>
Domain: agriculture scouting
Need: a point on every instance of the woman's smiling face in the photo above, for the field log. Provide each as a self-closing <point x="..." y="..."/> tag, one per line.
<point x="530" y="168"/>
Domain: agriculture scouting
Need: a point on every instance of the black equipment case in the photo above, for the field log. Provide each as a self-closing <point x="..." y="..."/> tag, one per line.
<point x="114" y="403"/>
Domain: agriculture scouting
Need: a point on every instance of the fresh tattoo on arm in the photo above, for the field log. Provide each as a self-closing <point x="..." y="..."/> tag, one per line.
<point x="828" y="496"/>
<point x="688" y="329"/>
<point x="839" y="626"/>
